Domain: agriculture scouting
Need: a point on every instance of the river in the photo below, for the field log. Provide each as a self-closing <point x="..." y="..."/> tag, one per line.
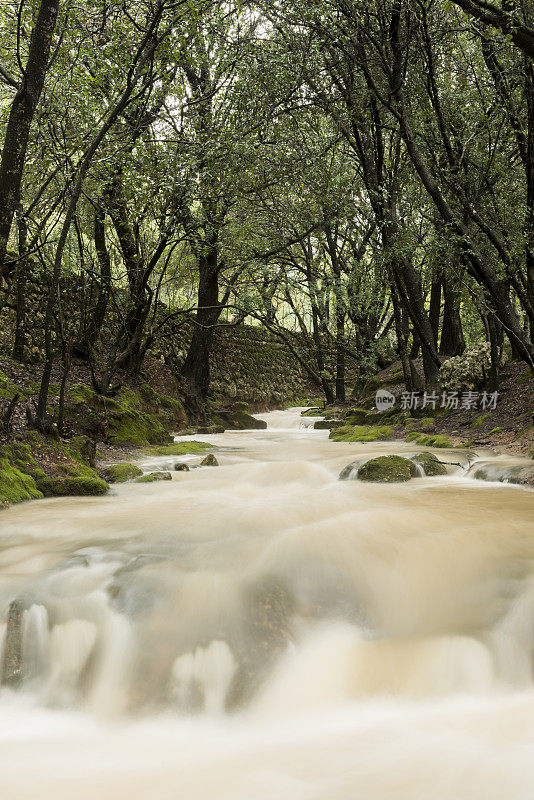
<point x="264" y="631"/>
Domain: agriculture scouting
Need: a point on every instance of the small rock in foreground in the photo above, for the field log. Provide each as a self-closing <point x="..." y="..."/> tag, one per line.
<point x="209" y="461"/>
<point x="155" y="476"/>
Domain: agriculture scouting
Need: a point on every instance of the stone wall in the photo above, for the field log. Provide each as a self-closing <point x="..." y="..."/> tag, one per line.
<point x="250" y="364"/>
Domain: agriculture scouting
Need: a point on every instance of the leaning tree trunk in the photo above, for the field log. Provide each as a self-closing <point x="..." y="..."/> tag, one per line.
<point x="21" y="117"/>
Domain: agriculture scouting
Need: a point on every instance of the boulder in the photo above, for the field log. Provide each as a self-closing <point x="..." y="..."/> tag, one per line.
<point x="73" y="486"/>
<point x="120" y="473"/>
<point x="241" y="421"/>
<point x="155" y="476"/>
<point x="388" y="469"/>
<point x="181" y="467"/>
<point x="206" y="430"/>
<point x="328" y="424"/>
<point x="350" y="472"/>
<point x="430" y="464"/>
<point x="209" y="461"/>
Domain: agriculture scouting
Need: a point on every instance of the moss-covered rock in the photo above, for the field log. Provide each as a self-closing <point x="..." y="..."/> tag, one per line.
<point x="181" y="467"/>
<point x="241" y="421"/>
<point x="120" y="473"/>
<point x="430" y="464"/>
<point x="356" y="416"/>
<point x="119" y="420"/>
<point x="67" y="486"/>
<point x="312" y="412"/>
<point x="207" y="430"/>
<point x="67" y="473"/>
<point x="361" y="433"/>
<point x="209" y="461"/>
<point x="328" y="424"/>
<point x="16" y="486"/>
<point x="387" y="469"/>
<point x="152" y="477"/>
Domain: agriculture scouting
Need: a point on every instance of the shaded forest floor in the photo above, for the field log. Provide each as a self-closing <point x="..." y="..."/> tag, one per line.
<point x="508" y="427"/>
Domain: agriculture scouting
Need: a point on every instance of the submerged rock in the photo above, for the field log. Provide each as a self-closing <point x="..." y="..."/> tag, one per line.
<point x="182" y="467"/>
<point x="155" y="476"/>
<point x="350" y="472"/>
<point x="388" y="469"/>
<point x="430" y="464"/>
<point x="120" y="473"/>
<point x="12" y="664"/>
<point x="209" y="461"/>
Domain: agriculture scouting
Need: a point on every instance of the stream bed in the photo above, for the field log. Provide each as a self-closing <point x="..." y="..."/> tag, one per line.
<point x="263" y="631"/>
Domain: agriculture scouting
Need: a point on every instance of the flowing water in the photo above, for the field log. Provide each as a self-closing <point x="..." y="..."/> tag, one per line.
<point x="264" y="631"/>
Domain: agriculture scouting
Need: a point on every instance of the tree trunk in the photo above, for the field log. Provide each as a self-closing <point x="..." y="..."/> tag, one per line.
<point x="452" y="336"/>
<point x="21" y="116"/>
<point x="435" y="308"/>
<point x="21" y="277"/>
<point x="196" y="367"/>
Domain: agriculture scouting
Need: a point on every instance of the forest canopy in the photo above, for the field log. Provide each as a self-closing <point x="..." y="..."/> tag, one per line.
<point x="356" y="176"/>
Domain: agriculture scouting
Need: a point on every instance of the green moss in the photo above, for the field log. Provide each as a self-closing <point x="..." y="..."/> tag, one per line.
<point x="387" y="469"/>
<point x="136" y="428"/>
<point x="241" y="421"/>
<point x="430" y="464"/>
<point x="155" y="476"/>
<point x="120" y="473"/>
<point x="434" y="441"/>
<point x="179" y="449"/>
<point x="479" y="421"/>
<point x="118" y="420"/>
<point x="412" y="436"/>
<point x="356" y="416"/>
<point x="496" y="430"/>
<point x="15" y="485"/>
<point x="361" y="433"/>
<point x="423" y="425"/>
<point x="73" y="486"/>
<point x="71" y="474"/>
<point x="313" y="412"/>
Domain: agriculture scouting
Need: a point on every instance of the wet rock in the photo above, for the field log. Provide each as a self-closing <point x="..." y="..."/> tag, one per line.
<point x="430" y="464"/>
<point x="524" y="477"/>
<point x="328" y="424"/>
<point x="350" y="472"/>
<point x="388" y="469"/>
<point x="241" y="421"/>
<point x="155" y="476"/>
<point x="181" y="467"/>
<point x="120" y="473"/>
<point x="12" y="664"/>
<point x="206" y="430"/>
<point x="209" y="461"/>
